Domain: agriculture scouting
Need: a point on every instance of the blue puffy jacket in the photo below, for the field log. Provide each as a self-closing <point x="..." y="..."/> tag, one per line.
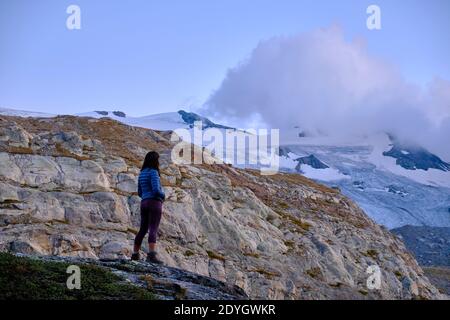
<point x="149" y="185"/>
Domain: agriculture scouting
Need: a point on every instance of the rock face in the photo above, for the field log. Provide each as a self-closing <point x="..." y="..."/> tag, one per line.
<point x="413" y="158"/>
<point x="310" y="160"/>
<point x="67" y="188"/>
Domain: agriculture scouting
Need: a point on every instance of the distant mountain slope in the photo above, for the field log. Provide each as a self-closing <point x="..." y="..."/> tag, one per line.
<point x="430" y="245"/>
<point x="415" y="158"/>
<point x="160" y="121"/>
<point x="22" y="113"/>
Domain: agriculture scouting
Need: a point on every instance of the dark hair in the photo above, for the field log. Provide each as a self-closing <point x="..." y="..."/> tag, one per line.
<point x="151" y="161"/>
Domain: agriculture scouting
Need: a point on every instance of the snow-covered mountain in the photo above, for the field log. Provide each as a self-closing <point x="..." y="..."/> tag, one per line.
<point x="160" y="121"/>
<point x="396" y="185"/>
<point x="22" y="113"/>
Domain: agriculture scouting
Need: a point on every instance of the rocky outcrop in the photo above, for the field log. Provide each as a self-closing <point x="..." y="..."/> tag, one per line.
<point x="67" y="188"/>
<point x="310" y="160"/>
<point x="165" y="283"/>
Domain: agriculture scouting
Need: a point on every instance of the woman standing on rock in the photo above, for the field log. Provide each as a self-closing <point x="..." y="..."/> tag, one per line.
<point x="152" y="195"/>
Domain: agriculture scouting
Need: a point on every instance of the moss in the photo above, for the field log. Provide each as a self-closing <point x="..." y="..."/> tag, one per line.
<point x="189" y="253"/>
<point x="58" y="221"/>
<point x="314" y="272"/>
<point x="290" y="244"/>
<point x="363" y="292"/>
<point x="148" y="279"/>
<point x="283" y="205"/>
<point x="132" y="230"/>
<point x="28" y="279"/>
<point x="251" y="254"/>
<point x="11" y="201"/>
<point x="302" y="225"/>
<point x="180" y="292"/>
<point x="19" y="150"/>
<point x="87" y="148"/>
<point x="371" y="253"/>
<point x="266" y="273"/>
<point x="398" y="274"/>
<point x="214" y="255"/>
<point x="335" y="285"/>
<point x="62" y="152"/>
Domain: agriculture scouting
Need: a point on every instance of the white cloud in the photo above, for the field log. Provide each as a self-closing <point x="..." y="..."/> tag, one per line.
<point x="320" y="81"/>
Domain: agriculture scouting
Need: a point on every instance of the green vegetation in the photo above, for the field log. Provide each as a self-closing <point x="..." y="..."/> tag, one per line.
<point x="363" y="292"/>
<point x="266" y="273"/>
<point x="29" y="279"/>
<point x="300" y="224"/>
<point x="189" y="253"/>
<point x="371" y="253"/>
<point x="213" y="255"/>
<point x="335" y="285"/>
<point x="398" y="274"/>
<point x="290" y="244"/>
<point x="252" y="254"/>
<point x="283" y="205"/>
<point x="314" y="272"/>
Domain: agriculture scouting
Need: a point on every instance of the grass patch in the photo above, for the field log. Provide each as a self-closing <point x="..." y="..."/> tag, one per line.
<point x="214" y="255"/>
<point x="283" y="205"/>
<point x="189" y="253"/>
<point x="252" y="254"/>
<point x="335" y="285"/>
<point x="302" y="225"/>
<point x="290" y="244"/>
<point x="371" y="253"/>
<point x="398" y="274"/>
<point x="20" y="150"/>
<point x="363" y="292"/>
<point x="314" y="272"/>
<point x="266" y="273"/>
<point x="132" y="230"/>
<point x="28" y="279"/>
<point x="62" y="152"/>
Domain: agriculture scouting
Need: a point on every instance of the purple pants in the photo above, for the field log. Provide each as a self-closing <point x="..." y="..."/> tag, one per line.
<point x="151" y="211"/>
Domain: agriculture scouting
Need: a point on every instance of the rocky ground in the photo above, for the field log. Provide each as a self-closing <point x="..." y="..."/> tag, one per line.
<point x="45" y="277"/>
<point x="68" y="188"/>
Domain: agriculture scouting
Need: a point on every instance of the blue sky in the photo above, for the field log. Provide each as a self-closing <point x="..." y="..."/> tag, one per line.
<point x="145" y="56"/>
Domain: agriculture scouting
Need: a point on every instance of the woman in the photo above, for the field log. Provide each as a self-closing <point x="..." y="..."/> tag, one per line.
<point x="152" y="195"/>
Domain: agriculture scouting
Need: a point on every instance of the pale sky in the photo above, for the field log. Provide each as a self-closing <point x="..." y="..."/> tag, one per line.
<point x="145" y="57"/>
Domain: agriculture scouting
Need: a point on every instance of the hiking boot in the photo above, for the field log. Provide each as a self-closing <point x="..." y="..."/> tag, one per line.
<point x="135" y="257"/>
<point x="151" y="257"/>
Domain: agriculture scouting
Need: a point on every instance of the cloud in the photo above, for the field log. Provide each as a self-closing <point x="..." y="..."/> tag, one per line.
<point x="320" y="81"/>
